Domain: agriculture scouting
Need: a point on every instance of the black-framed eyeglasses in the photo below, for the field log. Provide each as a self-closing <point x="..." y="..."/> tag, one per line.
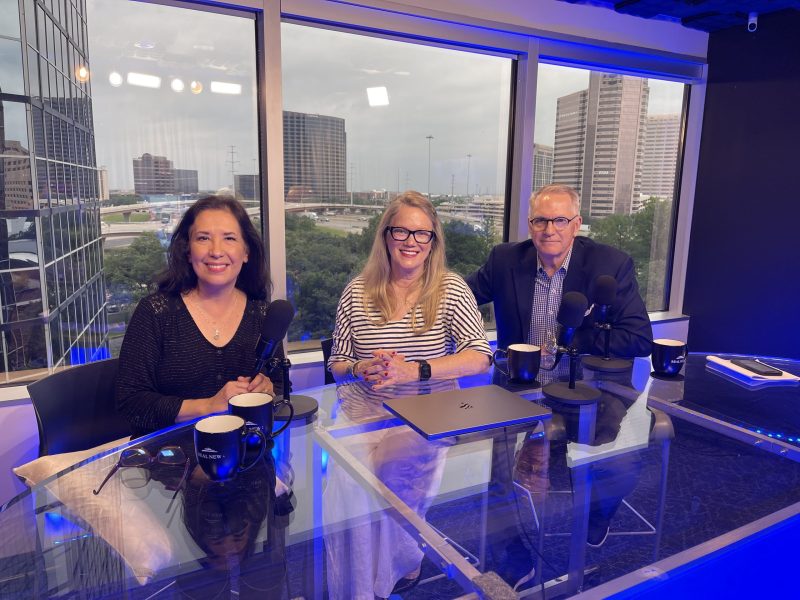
<point x="400" y="234"/>
<point x="141" y="457"/>
<point x="560" y="223"/>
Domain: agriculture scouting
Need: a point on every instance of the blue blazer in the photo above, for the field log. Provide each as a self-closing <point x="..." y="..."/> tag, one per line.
<point x="507" y="279"/>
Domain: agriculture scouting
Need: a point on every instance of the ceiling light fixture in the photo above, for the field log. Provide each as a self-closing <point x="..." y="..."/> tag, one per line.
<point x="220" y="87"/>
<point x="378" y="96"/>
<point x="144" y="80"/>
<point x="82" y="73"/>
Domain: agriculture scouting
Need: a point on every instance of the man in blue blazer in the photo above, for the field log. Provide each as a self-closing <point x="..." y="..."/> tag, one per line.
<point x="555" y="261"/>
<point x="526" y="282"/>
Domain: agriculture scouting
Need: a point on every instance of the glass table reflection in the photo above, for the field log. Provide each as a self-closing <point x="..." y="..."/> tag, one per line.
<point x="351" y="503"/>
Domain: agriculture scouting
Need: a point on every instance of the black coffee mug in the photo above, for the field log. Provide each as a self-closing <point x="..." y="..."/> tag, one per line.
<point x="258" y="410"/>
<point x="668" y="356"/>
<point x="522" y="360"/>
<point x="219" y="443"/>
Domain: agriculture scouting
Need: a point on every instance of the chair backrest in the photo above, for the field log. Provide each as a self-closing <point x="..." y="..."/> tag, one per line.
<point x="327" y="348"/>
<point x="75" y="408"/>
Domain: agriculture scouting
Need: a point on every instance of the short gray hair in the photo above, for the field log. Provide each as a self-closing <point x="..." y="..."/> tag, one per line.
<point x="556" y="188"/>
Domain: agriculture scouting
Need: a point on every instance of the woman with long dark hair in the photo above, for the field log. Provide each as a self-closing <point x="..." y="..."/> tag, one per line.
<point x="189" y="347"/>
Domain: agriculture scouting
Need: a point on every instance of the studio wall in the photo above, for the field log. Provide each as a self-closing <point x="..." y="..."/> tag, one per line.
<point x="743" y="278"/>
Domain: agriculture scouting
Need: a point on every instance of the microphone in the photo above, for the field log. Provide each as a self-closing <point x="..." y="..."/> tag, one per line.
<point x="604" y="293"/>
<point x="570" y="316"/>
<point x="277" y="319"/>
<point x="276" y="323"/>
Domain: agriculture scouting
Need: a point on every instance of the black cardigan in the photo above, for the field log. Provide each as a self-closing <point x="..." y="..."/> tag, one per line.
<point x="165" y="360"/>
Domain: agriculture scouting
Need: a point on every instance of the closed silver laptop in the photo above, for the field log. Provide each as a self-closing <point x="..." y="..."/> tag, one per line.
<point x="460" y="411"/>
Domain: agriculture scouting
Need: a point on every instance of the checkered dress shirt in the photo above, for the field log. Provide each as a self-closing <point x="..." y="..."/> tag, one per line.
<point x="547" y="293"/>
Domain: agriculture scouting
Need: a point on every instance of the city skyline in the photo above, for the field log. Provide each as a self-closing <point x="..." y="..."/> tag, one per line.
<point x="460" y="98"/>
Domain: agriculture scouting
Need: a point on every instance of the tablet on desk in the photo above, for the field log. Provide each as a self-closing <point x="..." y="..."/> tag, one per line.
<point x="455" y="412"/>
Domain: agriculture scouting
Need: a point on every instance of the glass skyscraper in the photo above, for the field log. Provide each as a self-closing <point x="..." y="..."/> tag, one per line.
<point x="52" y="292"/>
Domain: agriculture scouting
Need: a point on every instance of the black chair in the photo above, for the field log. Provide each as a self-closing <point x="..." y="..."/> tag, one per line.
<point x="327" y="348"/>
<point x="75" y="408"/>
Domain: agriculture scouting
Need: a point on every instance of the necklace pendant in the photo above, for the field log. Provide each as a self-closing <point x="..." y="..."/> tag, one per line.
<point x="216" y="334"/>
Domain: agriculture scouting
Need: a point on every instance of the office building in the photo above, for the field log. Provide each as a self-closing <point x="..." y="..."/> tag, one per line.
<point x="156" y="175"/>
<point x="315" y="158"/>
<point x="660" y="159"/>
<point x="599" y="143"/>
<point x="58" y="319"/>
<point x="103" y="183"/>
<point x="247" y="187"/>
<point x="185" y="181"/>
<point x="542" y="165"/>
<point x="570" y="140"/>
<point x="153" y="175"/>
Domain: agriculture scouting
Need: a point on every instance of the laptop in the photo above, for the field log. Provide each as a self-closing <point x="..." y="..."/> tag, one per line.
<point x="455" y="412"/>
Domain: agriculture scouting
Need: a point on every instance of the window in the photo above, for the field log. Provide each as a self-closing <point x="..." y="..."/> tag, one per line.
<point x="367" y="119"/>
<point x="617" y="140"/>
<point x="174" y="120"/>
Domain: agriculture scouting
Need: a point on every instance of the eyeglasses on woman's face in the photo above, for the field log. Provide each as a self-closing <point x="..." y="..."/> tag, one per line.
<point x="401" y="234"/>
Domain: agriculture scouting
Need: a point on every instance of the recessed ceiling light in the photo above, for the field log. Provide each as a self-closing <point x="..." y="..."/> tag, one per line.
<point x="378" y="96"/>
<point x="177" y="85"/>
<point x="196" y="87"/>
<point x="115" y="79"/>
<point x="220" y="87"/>
<point x="144" y="80"/>
<point x="82" y="73"/>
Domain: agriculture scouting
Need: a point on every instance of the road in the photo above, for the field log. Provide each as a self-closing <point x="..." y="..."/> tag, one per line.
<point x="347" y="223"/>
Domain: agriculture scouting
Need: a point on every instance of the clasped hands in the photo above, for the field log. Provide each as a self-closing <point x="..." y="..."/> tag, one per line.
<point x="386" y="368"/>
<point x="242" y="385"/>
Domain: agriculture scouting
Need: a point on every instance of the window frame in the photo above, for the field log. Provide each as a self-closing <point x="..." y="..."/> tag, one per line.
<point x="526" y="46"/>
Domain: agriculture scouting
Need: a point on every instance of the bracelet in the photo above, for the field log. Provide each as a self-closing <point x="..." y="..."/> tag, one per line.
<point x="355" y="368"/>
<point x="351" y="371"/>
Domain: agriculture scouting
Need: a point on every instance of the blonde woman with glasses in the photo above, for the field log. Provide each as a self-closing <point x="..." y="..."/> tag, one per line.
<point x="405" y="317"/>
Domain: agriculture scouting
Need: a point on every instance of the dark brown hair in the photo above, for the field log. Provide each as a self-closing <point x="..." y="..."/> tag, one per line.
<point x="179" y="276"/>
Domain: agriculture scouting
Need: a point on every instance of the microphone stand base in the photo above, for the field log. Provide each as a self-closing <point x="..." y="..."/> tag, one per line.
<point x="580" y="394"/>
<point x="606" y="365"/>
<point x="305" y="407"/>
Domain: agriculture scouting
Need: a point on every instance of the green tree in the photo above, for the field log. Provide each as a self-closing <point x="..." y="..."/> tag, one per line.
<point x="318" y="266"/>
<point x="467" y="247"/>
<point x="130" y="271"/>
<point x="633" y="234"/>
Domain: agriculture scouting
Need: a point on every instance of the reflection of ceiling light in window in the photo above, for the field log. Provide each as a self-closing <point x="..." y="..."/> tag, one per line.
<point x="82" y="73"/>
<point x="220" y="87"/>
<point x="177" y="85"/>
<point x="145" y="44"/>
<point x="196" y="87"/>
<point x="378" y="96"/>
<point x="115" y="79"/>
<point x="144" y="80"/>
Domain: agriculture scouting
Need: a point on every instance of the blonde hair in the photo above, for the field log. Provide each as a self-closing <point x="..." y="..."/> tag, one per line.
<point x="378" y="270"/>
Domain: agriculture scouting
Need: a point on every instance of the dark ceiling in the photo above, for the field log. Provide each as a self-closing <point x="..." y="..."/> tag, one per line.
<point x="706" y="15"/>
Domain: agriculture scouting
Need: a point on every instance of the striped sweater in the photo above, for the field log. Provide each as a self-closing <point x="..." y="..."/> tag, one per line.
<point x="458" y="326"/>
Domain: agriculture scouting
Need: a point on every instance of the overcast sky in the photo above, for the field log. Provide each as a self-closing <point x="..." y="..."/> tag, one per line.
<point x="459" y="98"/>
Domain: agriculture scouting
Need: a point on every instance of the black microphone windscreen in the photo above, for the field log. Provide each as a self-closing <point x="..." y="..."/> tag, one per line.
<point x="604" y="290"/>
<point x="277" y="319"/>
<point x="572" y="310"/>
